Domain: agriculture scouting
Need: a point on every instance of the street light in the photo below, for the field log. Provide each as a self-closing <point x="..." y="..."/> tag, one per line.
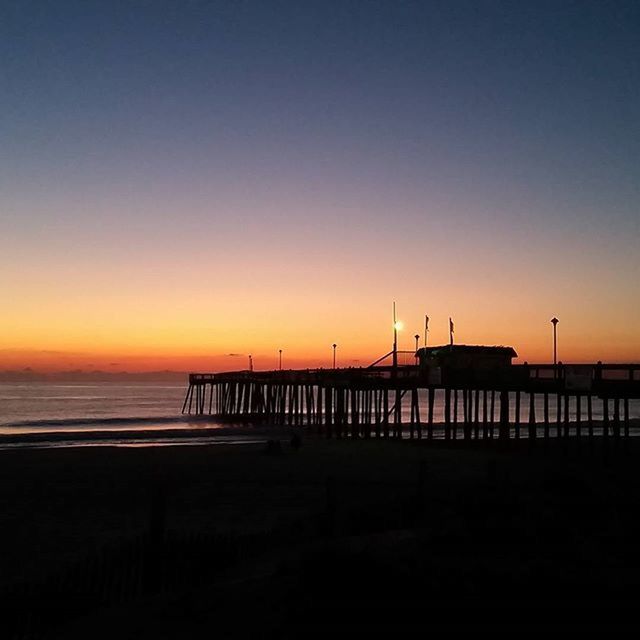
<point x="280" y="352"/>
<point x="250" y="363"/>
<point x="397" y="326"/>
<point x="554" y="322"/>
<point x="417" y="337"/>
<point x="334" y="345"/>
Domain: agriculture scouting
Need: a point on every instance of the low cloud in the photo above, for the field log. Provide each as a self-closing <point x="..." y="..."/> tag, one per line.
<point x="46" y="352"/>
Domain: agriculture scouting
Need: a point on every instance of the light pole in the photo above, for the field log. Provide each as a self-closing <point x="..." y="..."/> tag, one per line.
<point x="395" y="339"/>
<point x="554" y="322"/>
<point x="334" y="345"/>
<point x="280" y="352"/>
<point x="250" y="363"/>
<point x="397" y="325"/>
<point x="417" y="337"/>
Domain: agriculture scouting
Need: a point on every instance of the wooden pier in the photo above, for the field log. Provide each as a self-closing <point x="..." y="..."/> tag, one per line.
<point x="522" y="401"/>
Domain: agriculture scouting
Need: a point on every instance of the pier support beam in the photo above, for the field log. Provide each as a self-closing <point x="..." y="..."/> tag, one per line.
<point x="504" y="416"/>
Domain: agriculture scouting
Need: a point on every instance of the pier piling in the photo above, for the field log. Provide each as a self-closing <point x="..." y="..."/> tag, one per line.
<point x="361" y="403"/>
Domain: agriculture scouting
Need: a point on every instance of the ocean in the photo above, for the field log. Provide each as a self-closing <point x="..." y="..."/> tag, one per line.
<point x="59" y="415"/>
<point x="144" y="414"/>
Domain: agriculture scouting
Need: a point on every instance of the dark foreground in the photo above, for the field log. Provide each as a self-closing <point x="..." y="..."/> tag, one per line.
<point x="375" y="537"/>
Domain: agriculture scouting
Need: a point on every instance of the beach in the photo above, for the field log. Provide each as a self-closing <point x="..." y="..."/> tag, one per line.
<point x="460" y="522"/>
<point x="60" y="503"/>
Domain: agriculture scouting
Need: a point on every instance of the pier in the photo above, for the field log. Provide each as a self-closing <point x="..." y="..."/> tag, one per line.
<point x="519" y="401"/>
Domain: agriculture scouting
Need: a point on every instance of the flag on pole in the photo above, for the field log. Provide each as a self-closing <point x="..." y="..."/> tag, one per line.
<point x="450" y="331"/>
<point x="426" y="329"/>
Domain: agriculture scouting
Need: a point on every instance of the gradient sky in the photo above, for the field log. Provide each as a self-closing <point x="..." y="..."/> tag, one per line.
<point x="180" y="181"/>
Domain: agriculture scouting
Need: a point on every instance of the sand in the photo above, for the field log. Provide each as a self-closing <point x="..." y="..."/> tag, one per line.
<point x="58" y="503"/>
<point x="506" y="521"/>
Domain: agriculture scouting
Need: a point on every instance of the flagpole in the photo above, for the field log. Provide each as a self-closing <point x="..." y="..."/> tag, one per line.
<point x="426" y="329"/>
<point x="450" y="332"/>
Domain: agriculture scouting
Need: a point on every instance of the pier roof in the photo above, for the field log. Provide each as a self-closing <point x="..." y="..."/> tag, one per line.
<point x="468" y="349"/>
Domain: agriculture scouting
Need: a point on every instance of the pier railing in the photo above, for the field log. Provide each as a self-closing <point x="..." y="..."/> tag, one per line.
<point x="579" y="377"/>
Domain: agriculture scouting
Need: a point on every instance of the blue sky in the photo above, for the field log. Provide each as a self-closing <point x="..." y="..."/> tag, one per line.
<point x="501" y="138"/>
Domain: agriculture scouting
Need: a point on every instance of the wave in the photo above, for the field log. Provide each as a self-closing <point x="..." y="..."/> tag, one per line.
<point x="184" y="434"/>
<point x="112" y="420"/>
<point x="115" y="442"/>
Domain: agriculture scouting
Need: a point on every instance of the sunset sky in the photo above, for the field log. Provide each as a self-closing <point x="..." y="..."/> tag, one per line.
<point x="182" y="181"/>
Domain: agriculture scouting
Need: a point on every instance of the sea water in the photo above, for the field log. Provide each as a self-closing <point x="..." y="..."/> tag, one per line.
<point x="52" y="414"/>
<point x="134" y="414"/>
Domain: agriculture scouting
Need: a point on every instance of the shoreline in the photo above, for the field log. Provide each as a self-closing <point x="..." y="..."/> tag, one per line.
<point x="217" y="433"/>
<point x="162" y="436"/>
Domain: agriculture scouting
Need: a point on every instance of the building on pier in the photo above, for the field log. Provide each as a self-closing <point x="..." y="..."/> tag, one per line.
<point x="464" y="363"/>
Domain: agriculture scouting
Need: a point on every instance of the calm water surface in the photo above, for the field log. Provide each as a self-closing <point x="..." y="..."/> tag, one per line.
<point x="138" y="414"/>
<point x="48" y="414"/>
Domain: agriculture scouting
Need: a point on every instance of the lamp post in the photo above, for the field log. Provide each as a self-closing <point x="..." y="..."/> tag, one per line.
<point x="554" y="322"/>
<point x="395" y="339"/>
<point x="417" y="337"/>
<point x="250" y="363"/>
<point x="334" y="345"/>
<point x="397" y="325"/>
<point x="280" y="352"/>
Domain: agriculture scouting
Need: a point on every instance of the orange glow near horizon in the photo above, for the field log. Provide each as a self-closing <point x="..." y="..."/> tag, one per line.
<point x="204" y="339"/>
<point x="142" y="302"/>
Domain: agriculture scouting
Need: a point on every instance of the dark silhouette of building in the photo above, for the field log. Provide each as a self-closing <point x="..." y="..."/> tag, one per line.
<point x="464" y="363"/>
